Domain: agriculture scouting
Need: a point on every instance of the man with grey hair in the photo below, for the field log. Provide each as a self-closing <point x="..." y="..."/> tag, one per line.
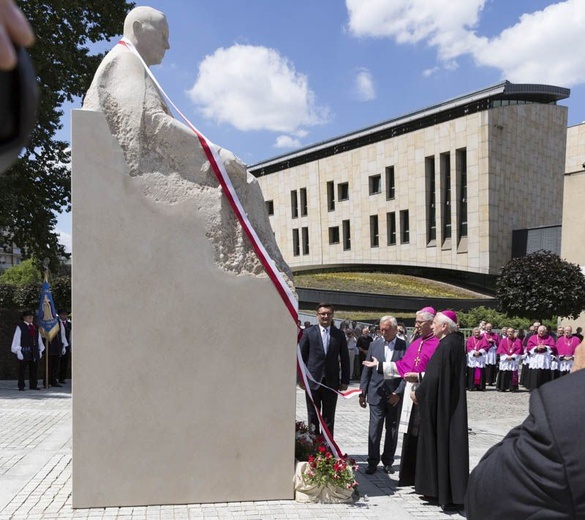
<point x="383" y="396"/>
<point x="411" y="368"/>
<point x="442" y="464"/>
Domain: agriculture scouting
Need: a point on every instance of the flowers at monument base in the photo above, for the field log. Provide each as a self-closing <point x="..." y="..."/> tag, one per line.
<point x="324" y="469"/>
<point x="306" y="441"/>
<point x="321" y="477"/>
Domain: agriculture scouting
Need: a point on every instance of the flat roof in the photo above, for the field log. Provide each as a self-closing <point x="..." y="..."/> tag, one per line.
<point x="450" y="109"/>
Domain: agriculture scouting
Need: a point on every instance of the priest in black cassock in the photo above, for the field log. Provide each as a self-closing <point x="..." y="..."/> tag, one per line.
<point x="442" y="464"/>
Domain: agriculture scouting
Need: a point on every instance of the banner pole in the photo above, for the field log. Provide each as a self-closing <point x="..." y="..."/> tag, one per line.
<point x="46" y="362"/>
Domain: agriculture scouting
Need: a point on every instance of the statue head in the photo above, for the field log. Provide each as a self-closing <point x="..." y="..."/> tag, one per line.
<point x="148" y="30"/>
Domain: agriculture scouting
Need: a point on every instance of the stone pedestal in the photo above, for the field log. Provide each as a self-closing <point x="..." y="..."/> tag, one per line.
<point x="183" y="374"/>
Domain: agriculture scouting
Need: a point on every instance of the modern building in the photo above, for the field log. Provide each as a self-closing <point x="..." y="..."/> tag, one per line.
<point x="573" y="233"/>
<point x="9" y="257"/>
<point x="438" y="191"/>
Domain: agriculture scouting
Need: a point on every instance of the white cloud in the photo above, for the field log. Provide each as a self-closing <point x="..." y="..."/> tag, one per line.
<point x="543" y="47"/>
<point x="287" y="142"/>
<point x="364" y="85"/>
<point x="65" y="239"/>
<point x="255" y="88"/>
<point x="442" y="23"/>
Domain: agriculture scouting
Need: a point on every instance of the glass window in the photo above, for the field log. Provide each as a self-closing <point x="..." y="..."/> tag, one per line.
<point x="374" y="232"/>
<point x="334" y="235"/>
<point x="390" y="183"/>
<point x="294" y="204"/>
<point x="303" y="192"/>
<point x="375" y="182"/>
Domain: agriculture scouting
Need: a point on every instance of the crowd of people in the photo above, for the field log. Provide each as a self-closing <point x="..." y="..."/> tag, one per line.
<point x="28" y="346"/>
<point x="416" y="385"/>
<point x="510" y="359"/>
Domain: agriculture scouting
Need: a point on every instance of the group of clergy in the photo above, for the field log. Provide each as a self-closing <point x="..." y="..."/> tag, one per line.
<point x="498" y="359"/>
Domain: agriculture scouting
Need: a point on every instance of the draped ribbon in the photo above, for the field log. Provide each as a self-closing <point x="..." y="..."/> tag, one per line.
<point x="212" y="153"/>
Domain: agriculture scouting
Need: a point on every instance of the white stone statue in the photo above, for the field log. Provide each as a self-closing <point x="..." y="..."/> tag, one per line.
<point x="168" y="155"/>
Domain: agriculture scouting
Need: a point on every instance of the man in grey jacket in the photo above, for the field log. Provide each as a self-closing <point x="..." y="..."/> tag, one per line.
<point x="383" y="395"/>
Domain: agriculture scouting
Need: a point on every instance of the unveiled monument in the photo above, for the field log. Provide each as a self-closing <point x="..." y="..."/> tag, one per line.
<point x="184" y="368"/>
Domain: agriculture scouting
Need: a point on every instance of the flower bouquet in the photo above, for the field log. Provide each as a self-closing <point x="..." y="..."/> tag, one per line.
<point x="323" y="477"/>
<point x="306" y="442"/>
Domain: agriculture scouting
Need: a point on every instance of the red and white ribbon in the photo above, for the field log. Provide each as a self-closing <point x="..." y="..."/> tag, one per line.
<point x="212" y="153"/>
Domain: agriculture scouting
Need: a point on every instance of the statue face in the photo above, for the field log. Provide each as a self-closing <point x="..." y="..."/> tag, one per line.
<point x="152" y="39"/>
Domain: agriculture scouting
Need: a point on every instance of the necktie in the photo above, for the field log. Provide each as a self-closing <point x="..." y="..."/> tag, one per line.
<point x="31" y="329"/>
<point x="325" y="338"/>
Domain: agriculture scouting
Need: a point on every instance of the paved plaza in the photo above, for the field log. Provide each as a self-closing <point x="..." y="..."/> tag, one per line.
<point x="35" y="464"/>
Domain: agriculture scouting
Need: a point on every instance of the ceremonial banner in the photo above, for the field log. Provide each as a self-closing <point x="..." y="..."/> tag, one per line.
<point x="48" y="322"/>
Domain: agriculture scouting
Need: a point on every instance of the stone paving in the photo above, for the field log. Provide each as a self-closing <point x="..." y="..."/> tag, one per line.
<point x="35" y="464"/>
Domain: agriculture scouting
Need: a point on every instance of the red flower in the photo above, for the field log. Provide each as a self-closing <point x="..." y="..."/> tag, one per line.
<point x="322" y="449"/>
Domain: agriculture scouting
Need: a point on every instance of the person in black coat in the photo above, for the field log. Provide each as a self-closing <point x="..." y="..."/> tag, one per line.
<point x="383" y="395"/>
<point x="65" y="326"/>
<point x="28" y="346"/>
<point x="442" y="463"/>
<point x="536" y="471"/>
<point x="324" y="351"/>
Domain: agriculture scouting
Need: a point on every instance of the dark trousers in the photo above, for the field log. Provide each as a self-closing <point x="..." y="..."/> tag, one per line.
<point x="64" y="365"/>
<point x="383" y="415"/>
<point x="326" y="402"/>
<point x="53" y="370"/>
<point x="32" y="374"/>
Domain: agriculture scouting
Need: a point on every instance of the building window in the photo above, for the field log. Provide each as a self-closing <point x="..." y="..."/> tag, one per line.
<point x="390" y="183"/>
<point x="334" y="235"/>
<point x="343" y="191"/>
<point x="296" y="245"/>
<point x="404" y="227"/>
<point x="461" y="168"/>
<point x="391" y="227"/>
<point x="294" y="204"/>
<point x="346" y="235"/>
<point x="330" y="196"/>
<point x="270" y="207"/>
<point x="430" y="200"/>
<point x="303" y="202"/>
<point x="305" y="237"/>
<point x="374" y="232"/>
<point x="446" y="195"/>
<point x="375" y="182"/>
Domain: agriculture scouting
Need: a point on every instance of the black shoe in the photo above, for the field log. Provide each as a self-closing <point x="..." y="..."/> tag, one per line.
<point x="370" y="470"/>
<point x="21" y="389"/>
<point x="452" y="507"/>
<point x="388" y="468"/>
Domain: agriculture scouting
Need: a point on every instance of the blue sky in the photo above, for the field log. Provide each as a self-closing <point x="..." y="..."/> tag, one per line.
<point x="263" y="77"/>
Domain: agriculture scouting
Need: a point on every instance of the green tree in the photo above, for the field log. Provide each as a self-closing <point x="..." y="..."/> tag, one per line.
<point x="39" y="183"/>
<point x="541" y="286"/>
<point x="25" y="273"/>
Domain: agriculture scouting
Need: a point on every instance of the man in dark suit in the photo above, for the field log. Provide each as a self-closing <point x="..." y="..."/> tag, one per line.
<point x="64" y="328"/>
<point x="324" y="351"/>
<point x="383" y="395"/>
<point x="537" y="470"/>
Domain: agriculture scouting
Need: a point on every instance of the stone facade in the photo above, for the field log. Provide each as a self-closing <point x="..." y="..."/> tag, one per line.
<point x="572" y="243"/>
<point x="491" y="171"/>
